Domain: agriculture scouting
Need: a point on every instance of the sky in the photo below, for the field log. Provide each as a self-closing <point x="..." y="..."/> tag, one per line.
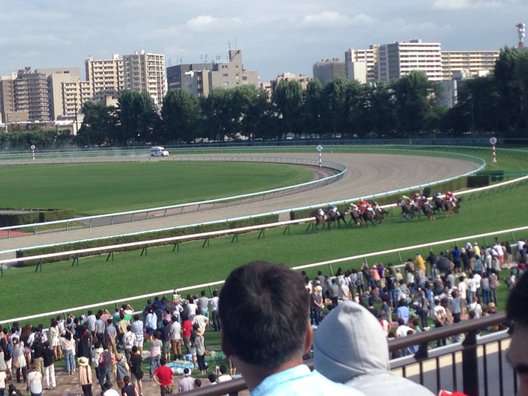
<point x="275" y="36"/>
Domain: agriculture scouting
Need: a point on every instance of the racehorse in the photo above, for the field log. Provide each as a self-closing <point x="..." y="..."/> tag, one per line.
<point x="427" y="209"/>
<point x="335" y="215"/>
<point x="452" y="206"/>
<point x="355" y="216"/>
<point x="320" y="217"/>
<point x="380" y="213"/>
<point x="370" y="215"/>
<point x="409" y="210"/>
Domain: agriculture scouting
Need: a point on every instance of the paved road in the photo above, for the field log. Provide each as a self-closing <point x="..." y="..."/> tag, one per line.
<point x="367" y="174"/>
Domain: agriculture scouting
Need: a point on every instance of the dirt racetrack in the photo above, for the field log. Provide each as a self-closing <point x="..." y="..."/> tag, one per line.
<point x="367" y="174"/>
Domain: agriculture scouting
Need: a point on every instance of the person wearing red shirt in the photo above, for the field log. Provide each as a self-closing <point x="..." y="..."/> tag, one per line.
<point x="163" y="377"/>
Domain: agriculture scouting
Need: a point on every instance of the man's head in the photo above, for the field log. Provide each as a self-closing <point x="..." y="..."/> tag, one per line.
<point x="517" y="313"/>
<point x="264" y="310"/>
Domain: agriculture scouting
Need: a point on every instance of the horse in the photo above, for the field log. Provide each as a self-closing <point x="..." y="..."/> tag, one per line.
<point x="427" y="209"/>
<point x="370" y="215"/>
<point x="452" y="206"/>
<point x="380" y="213"/>
<point x="355" y="216"/>
<point x="335" y="215"/>
<point x="320" y="217"/>
<point x="409" y="210"/>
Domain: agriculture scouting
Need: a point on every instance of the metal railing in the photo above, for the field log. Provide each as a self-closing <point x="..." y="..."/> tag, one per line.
<point x="475" y="366"/>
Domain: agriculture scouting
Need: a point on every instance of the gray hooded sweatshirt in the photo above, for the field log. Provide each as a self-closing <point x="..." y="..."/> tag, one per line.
<point x="350" y="347"/>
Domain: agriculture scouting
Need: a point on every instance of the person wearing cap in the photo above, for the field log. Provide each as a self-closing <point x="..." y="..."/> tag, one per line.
<point x="122" y="369"/>
<point x="187" y="382"/>
<point x="265" y="313"/>
<point x="85" y="376"/>
<point x="350" y="347"/>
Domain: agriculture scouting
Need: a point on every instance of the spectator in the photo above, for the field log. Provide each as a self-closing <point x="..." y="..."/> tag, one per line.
<point x="517" y="313"/>
<point x="213" y="310"/>
<point x="265" y="310"/>
<point x="128" y="388"/>
<point x="187" y="382"/>
<point x="155" y="352"/>
<point x="34" y="381"/>
<point x="135" y="368"/>
<point x="163" y="377"/>
<point x="350" y="347"/>
<point x="85" y="376"/>
<point x="175" y="337"/>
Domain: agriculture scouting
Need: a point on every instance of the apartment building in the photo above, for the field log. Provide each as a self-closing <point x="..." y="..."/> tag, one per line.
<point x="303" y="79"/>
<point x="146" y="72"/>
<point x="398" y="59"/>
<point x="202" y="78"/>
<point x="327" y="70"/>
<point x="106" y="77"/>
<point x="470" y="63"/>
<point x="361" y="64"/>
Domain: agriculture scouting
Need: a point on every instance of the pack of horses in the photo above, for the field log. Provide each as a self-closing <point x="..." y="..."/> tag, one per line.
<point x="374" y="216"/>
<point x="429" y="207"/>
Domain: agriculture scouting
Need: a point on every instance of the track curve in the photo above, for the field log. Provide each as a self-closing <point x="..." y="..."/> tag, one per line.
<point x="367" y="174"/>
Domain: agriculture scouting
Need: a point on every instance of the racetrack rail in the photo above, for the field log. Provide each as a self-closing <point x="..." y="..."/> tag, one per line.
<point x="367" y="174"/>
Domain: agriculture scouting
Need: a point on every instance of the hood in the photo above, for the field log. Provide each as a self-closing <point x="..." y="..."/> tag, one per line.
<point x="350" y="342"/>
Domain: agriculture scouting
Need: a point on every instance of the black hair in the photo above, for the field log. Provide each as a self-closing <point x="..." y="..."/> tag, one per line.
<point x="264" y="309"/>
<point x="518" y="301"/>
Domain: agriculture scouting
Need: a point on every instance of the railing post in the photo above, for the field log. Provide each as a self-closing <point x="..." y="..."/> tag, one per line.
<point x="470" y="364"/>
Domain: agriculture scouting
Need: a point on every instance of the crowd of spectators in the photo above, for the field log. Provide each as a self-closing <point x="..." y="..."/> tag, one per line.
<point x="106" y="350"/>
<point x="424" y="292"/>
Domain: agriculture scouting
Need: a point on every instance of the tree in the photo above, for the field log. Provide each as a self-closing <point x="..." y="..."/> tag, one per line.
<point x="512" y="86"/>
<point x="289" y="99"/>
<point x="138" y="119"/>
<point x="99" y="126"/>
<point x="180" y="115"/>
<point x="414" y="96"/>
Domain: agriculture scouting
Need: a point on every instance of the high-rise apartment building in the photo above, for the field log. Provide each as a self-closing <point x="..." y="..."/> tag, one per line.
<point x="106" y="77"/>
<point x="146" y="72"/>
<point x="398" y="59"/>
<point x="328" y="70"/>
<point x="201" y="78"/>
<point x="31" y="94"/>
<point x="359" y="61"/>
<point x="470" y="63"/>
<point x="8" y="111"/>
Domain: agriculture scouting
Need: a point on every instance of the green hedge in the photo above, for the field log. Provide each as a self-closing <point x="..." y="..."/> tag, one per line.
<point x="32" y="216"/>
<point x="140" y="237"/>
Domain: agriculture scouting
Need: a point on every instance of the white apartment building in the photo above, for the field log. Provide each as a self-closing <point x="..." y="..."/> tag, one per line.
<point x="398" y="59"/>
<point x="146" y="72"/>
<point x="470" y="63"/>
<point x="356" y="60"/>
<point x="106" y="77"/>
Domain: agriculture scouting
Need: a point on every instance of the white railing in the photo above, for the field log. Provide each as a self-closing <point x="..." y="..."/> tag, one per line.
<point x="327" y="263"/>
<point x="313" y="206"/>
<point x="163" y="211"/>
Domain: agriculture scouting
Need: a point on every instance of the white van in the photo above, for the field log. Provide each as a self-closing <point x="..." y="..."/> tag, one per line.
<point x="158" y="151"/>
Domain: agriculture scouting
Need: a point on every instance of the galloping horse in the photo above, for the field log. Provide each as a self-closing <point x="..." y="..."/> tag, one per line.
<point x="370" y="215"/>
<point x="427" y="209"/>
<point x="320" y="217"/>
<point x="409" y="210"/>
<point x="355" y="216"/>
<point x="333" y="214"/>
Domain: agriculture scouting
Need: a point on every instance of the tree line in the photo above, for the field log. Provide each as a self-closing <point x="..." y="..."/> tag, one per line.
<point x="407" y="107"/>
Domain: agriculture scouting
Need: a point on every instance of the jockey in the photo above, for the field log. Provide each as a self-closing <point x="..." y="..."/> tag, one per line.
<point x="332" y="209"/>
<point x="449" y="196"/>
<point x="406" y="199"/>
<point x="320" y="212"/>
<point x="363" y="206"/>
